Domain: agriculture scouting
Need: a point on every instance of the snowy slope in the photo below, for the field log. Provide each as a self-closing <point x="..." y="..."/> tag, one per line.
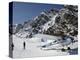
<point x="50" y="23"/>
<point x="32" y="48"/>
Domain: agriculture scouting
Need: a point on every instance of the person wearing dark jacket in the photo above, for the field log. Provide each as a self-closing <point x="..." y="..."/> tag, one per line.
<point x="12" y="45"/>
<point x="24" y="44"/>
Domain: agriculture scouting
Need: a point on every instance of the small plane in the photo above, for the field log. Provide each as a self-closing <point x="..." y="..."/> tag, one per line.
<point x="64" y="44"/>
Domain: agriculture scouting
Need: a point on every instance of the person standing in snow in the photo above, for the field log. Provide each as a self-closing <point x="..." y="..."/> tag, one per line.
<point x="24" y="44"/>
<point x="12" y="45"/>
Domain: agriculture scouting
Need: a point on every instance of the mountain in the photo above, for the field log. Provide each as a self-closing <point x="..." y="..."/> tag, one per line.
<point x="53" y="22"/>
<point x="66" y="23"/>
<point x="15" y="28"/>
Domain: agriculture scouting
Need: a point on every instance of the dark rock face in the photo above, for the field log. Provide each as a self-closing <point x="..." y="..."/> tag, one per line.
<point x="66" y="22"/>
<point x="42" y="19"/>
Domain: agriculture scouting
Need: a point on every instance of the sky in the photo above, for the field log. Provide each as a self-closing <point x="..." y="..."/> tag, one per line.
<point x="23" y="11"/>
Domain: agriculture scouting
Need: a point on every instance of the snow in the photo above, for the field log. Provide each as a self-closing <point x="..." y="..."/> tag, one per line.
<point x="46" y="36"/>
<point x="50" y="23"/>
<point x="32" y="47"/>
<point x="22" y="34"/>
